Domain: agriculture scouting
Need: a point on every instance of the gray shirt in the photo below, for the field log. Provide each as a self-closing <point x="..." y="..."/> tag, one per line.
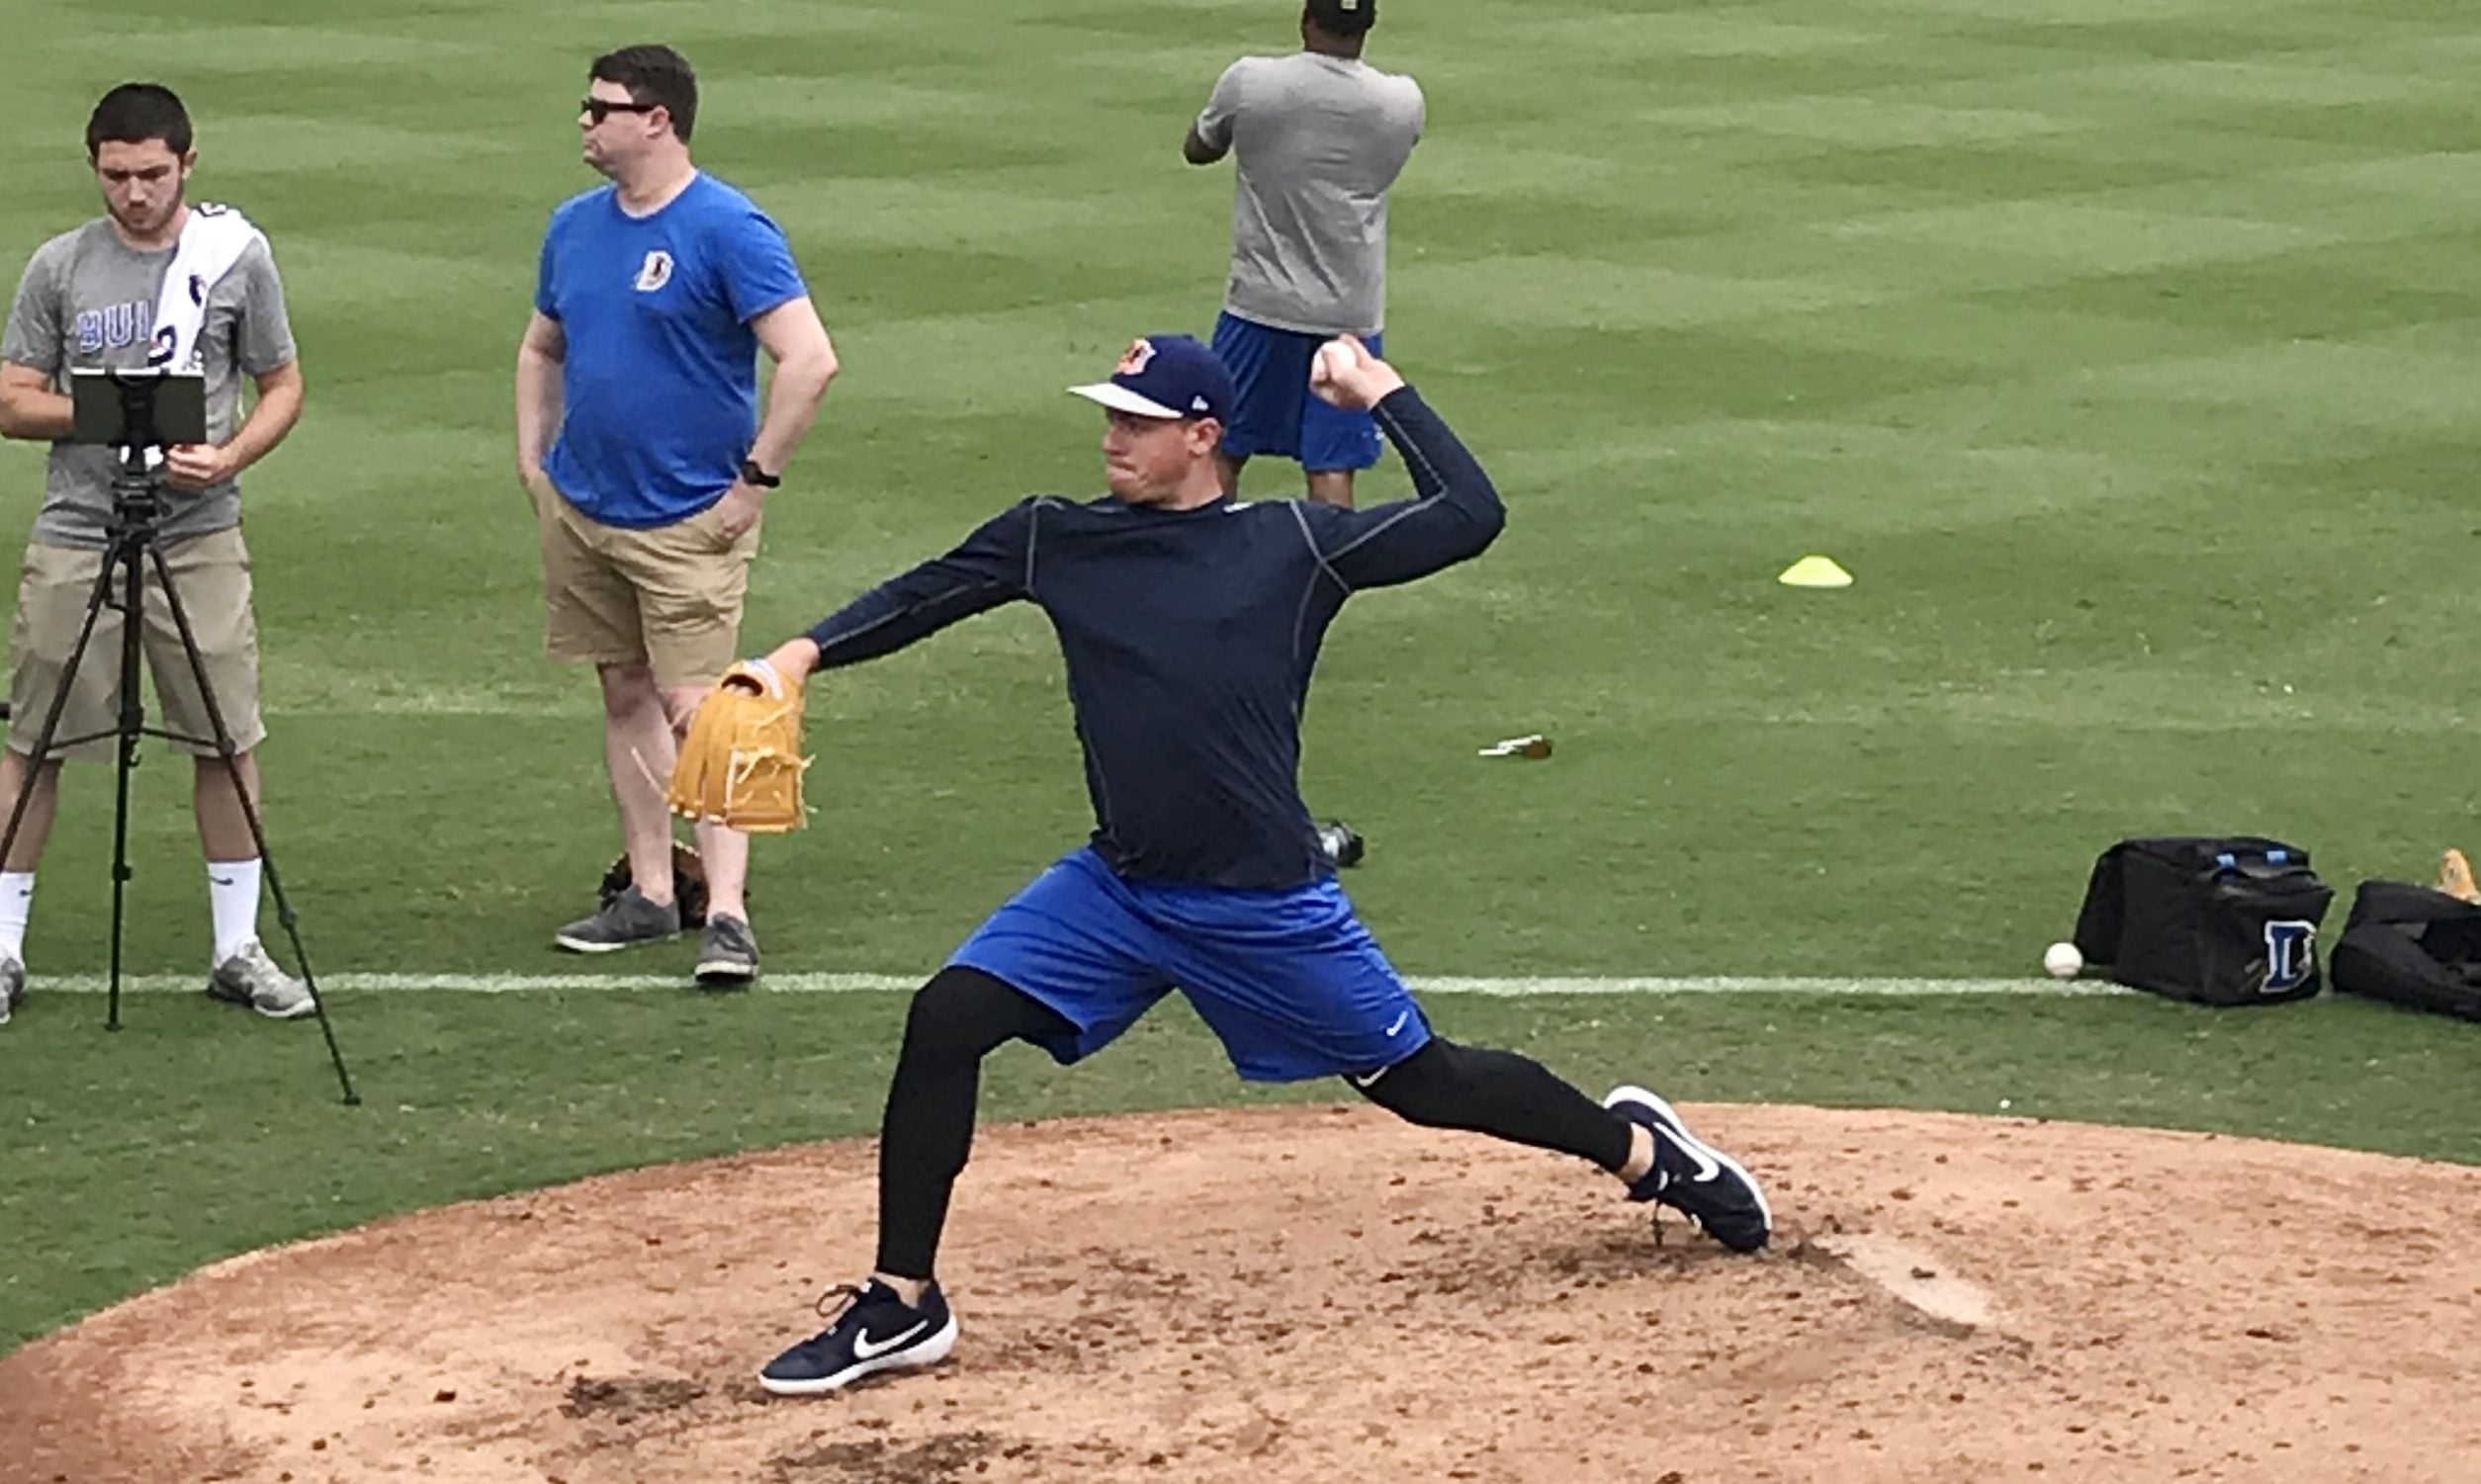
<point x="88" y="301"/>
<point x="1319" y="140"/>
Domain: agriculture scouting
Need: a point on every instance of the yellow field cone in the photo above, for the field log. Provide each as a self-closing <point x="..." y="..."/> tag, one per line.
<point x="1815" y="572"/>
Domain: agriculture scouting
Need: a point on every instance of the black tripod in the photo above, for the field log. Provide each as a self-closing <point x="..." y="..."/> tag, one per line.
<point x="130" y="547"/>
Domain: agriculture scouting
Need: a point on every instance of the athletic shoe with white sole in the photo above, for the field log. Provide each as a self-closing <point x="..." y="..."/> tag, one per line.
<point x="12" y="988"/>
<point x="252" y="978"/>
<point x="728" y="954"/>
<point x="622" y="922"/>
<point x="1341" y="843"/>
<point x="875" y="1331"/>
<point x="1693" y="1177"/>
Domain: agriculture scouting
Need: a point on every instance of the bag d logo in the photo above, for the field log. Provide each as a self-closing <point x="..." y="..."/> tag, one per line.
<point x="2290" y="955"/>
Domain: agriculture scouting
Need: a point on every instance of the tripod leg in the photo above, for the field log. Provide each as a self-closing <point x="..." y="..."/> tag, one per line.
<point x="133" y="725"/>
<point x="226" y="751"/>
<point x="51" y="731"/>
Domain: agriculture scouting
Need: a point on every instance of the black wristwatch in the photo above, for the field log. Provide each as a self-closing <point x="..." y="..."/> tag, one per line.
<point x="758" y="478"/>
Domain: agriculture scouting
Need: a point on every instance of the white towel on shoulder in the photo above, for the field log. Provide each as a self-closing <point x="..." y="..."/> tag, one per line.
<point x="212" y="241"/>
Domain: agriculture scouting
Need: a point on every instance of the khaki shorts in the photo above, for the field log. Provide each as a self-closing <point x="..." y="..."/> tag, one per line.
<point x="212" y="575"/>
<point x="670" y="597"/>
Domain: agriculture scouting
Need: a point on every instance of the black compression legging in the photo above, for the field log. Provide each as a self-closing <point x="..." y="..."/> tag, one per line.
<point x="1509" y="1096"/>
<point x="959" y="1018"/>
<point x="964" y="1015"/>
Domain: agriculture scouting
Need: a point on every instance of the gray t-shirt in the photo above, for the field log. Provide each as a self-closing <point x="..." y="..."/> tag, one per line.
<point x="88" y="301"/>
<point x="1319" y="140"/>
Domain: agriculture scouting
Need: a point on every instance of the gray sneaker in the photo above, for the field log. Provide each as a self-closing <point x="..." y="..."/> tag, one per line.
<point x="625" y="921"/>
<point x="728" y="955"/>
<point x="12" y="988"/>
<point x="252" y="978"/>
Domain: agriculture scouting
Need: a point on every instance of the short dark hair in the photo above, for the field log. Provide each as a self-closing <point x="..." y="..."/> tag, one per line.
<point x="654" y="75"/>
<point x="135" y="112"/>
<point x="1343" y="18"/>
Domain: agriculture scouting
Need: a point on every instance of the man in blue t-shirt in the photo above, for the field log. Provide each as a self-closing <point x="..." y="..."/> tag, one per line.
<point x="639" y="438"/>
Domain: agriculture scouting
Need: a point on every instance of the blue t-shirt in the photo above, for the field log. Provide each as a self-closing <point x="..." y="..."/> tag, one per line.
<point x="661" y="385"/>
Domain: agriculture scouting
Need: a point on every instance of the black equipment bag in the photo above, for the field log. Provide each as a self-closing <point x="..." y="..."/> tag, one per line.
<point x="2413" y="946"/>
<point x="2216" y="921"/>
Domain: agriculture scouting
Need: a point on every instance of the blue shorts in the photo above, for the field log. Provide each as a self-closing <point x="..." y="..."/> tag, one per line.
<point x="1275" y="413"/>
<point x="1289" y="981"/>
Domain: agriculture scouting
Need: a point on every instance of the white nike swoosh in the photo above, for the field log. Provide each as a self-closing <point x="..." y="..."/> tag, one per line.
<point x="863" y="1349"/>
<point x="1706" y="1169"/>
<point x="1400" y="1017"/>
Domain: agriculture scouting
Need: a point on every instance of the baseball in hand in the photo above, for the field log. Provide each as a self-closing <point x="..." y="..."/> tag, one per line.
<point x="1335" y="362"/>
<point x="1345" y="373"/>
<point x="1329" y="367"/>
<point x="2062" y="961"/>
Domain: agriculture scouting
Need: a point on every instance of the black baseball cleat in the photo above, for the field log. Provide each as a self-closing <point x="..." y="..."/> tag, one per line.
<point x="1693" y="1177"/>
<point x="875" y="1331"/>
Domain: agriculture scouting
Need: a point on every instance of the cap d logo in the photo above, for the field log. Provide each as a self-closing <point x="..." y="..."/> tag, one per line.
<point x="1197" y="405"/>
<point x="1134" y="361"/>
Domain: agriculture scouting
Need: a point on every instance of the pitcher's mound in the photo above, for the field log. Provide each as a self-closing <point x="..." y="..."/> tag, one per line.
<point x="1320" y="1294"/>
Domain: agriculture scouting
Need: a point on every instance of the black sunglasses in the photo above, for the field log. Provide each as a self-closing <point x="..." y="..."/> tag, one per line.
<point x="599" y="109"/>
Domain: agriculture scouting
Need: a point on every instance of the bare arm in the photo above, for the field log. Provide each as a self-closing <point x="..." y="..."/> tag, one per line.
<point x="278" y="409"/>
<point x="540" y="355"/>
<point x="805" y="363"/>
<point x="1199" y="152"/>
<point x="1211" y="133"/>
<point x="195" y="465"/>
<point x="29" y="407"/>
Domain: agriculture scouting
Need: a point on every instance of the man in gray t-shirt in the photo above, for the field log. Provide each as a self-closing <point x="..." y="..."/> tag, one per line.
<point x="154" y="282"/>
<point x="1321" y="137"/>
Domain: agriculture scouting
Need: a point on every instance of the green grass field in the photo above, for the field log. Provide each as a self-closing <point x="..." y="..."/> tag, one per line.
<point x="2126" y="352"/>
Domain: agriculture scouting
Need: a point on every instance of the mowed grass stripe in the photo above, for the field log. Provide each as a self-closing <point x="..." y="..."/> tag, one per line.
<point x="1496" y="987"/>
<point x="1661" y="474"/>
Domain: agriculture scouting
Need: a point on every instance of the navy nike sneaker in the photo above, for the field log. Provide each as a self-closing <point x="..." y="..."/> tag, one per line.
<point x="1693" y="1177"/>
<point x="874" y="1331"/>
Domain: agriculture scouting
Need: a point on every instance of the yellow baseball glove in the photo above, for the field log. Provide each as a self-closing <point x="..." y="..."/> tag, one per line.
<point x="2454" y="877"/>
<point x="740" y="764"/>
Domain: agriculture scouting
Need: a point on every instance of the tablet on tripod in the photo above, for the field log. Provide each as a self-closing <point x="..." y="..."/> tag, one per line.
<point x="138" y="408"/>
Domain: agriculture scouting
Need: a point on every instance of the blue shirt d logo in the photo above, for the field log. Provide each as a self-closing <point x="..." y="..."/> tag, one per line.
<point x="2290" y="955"/>
<point x="659" y="390"/>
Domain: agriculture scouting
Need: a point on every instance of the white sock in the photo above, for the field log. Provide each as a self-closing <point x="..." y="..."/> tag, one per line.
<point x="233" y="898"/>
<point x="17" y="904"/>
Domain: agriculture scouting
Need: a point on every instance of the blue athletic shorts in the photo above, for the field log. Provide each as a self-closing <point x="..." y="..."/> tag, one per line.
<point x="1289" y="981"/>
<point x="1275" y="413"/>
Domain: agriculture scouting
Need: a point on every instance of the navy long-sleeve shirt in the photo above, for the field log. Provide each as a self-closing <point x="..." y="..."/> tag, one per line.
<point x="1189" y="637"/>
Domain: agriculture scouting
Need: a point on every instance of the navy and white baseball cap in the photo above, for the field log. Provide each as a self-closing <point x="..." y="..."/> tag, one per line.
<point x="1166" y="376"/>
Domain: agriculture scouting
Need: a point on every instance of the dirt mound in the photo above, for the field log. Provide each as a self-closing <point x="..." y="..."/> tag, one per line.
<point x="1303" y="1293"/>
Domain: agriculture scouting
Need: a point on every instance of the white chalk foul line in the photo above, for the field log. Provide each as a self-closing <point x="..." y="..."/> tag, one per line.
<point x="810" y="983"/>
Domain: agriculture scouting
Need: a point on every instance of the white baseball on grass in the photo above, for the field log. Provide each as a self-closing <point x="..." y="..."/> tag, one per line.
<point x="2062" y="961"/>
